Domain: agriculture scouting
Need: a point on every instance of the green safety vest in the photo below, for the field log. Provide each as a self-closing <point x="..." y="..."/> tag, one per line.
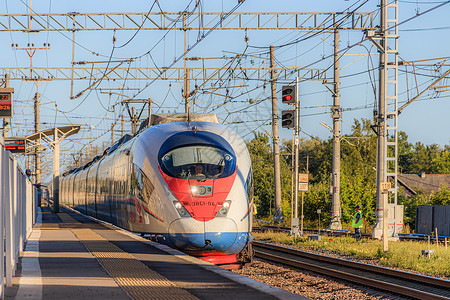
<point x="360" y="222"/>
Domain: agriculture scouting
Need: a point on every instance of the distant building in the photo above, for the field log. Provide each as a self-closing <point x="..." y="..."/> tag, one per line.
<point x="427" y="183"/>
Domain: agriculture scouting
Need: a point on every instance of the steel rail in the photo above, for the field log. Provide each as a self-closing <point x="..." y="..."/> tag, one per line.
<point x="383" y="285"/>
<point x="336" y="232"/>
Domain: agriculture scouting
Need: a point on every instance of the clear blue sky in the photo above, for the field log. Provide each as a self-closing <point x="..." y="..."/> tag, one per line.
<point x="425" y="36"/>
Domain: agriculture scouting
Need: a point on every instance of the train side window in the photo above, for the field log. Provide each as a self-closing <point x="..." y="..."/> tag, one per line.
<point x="249" y="186"/>
<point x="143" y="187"/>
<point x="148" y="188"/>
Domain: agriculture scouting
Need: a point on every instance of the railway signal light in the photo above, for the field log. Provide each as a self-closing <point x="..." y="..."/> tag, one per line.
<point x="288" y="94"/>
<point x="288" y="119"/>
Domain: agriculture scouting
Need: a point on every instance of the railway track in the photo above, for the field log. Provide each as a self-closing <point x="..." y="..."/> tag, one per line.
<point x="394" y="281"/>
<point x="330" y="232"/>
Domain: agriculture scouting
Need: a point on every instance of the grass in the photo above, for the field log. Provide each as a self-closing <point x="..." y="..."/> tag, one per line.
<point x="405" y="254"/>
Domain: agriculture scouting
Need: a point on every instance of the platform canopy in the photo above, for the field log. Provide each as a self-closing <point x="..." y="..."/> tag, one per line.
<point x="51" y="135"/>
<point x="65" y="130"/>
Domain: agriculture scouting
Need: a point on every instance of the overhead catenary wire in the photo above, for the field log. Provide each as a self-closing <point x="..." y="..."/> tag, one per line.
<point x="231" y="100"/>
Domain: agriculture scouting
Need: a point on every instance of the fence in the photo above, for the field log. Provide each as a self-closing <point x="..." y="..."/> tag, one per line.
<point x="17" y="215"/>
<point x="429" y="217"/>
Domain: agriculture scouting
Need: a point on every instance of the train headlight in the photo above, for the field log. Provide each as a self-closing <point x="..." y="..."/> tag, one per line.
<point x="201" y="190"/>
<point x="223" y="211"/>
<point x="180" y="209"/>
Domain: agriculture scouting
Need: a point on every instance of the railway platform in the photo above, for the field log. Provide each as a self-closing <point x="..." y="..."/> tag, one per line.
<point x="70" y="256"/>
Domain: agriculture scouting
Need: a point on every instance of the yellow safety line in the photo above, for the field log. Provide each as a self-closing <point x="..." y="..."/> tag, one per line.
<point x="131" y="275"/>
<point x="66" y="218"/>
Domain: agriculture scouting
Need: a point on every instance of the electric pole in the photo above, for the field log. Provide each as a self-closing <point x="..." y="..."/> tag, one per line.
<point x="149" y="111"/>
<point x="123" y="125"/>
<point x="335" y="222"/>
<point x="296" y="144"/>
<point x="380" y="228"/>
<point x="73" y="57"/>
<point x="37" y="128"/>
<point x="112" y="133"/>
<point x="187" y="88"/>
<point x="278" y="216"/>
<point x="6" y="120"/>
<point x="133" y="120"/>
<point x="187" y="105"/>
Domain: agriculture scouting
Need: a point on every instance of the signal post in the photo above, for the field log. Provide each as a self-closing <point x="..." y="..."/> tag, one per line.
<point x="291" y="119"/>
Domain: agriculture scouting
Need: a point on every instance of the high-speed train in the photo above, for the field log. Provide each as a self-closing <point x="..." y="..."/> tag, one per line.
<point x="186" y="184"/>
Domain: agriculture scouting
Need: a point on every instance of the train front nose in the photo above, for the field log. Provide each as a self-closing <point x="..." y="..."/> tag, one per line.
<point x="219" y="234"/>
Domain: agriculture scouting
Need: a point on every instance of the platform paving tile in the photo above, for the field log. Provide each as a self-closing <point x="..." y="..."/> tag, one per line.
<point x="56" y="265"/>
<point x="68" y="256"/>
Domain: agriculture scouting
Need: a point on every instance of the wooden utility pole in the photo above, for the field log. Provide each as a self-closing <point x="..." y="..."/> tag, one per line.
<point x="278" y="216"/>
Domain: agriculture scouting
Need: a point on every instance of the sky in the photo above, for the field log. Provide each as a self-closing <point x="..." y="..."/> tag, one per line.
<point x="423" y="33"/>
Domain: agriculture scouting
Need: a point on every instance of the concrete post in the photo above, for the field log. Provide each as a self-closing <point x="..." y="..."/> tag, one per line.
<point x="123" y="125"/>
<point x="335" y="222"/>
<point x="112" y="134"/>
<point x="7" y="204"/>
<point x="37" y="128"/>
<point x="381" y="197"/>
<point x="20" y="212"/>
<point x="296" y="144"/>
<point x="3" y="180"/>
<point x="133" y="120"/>
<point x="187" y="89"/>
<point x="278" y="215"/>
<point x="56" y="171"/>
<point x="15" y="215"/>
<point x="29" y="207"/>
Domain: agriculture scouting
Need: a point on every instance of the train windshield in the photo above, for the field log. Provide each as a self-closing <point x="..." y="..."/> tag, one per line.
<point x="198" y="162"/>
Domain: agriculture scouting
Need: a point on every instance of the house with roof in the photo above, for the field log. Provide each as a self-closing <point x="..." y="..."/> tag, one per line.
<point x="428" y="183"/>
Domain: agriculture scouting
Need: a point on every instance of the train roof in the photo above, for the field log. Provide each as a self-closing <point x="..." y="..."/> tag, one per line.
<point x="122" y="140"/>
<point x="156" y="119"/>
<point x="169" y="118"/>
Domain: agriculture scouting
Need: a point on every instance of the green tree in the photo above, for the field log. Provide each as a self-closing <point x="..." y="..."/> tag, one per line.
<point x="358" y="173"/>
<point x="262" y="166"/>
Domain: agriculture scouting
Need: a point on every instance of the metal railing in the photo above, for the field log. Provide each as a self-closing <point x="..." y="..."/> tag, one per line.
<point x="18" y="210"/>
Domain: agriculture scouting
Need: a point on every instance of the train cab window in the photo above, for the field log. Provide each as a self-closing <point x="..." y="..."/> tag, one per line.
<point x="198" y="162"/>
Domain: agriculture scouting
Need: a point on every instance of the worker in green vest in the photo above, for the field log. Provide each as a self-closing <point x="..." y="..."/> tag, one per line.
<point x="28" y="173"/>
<point x="255" y="210"/>
<point x="357" y="222"/>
